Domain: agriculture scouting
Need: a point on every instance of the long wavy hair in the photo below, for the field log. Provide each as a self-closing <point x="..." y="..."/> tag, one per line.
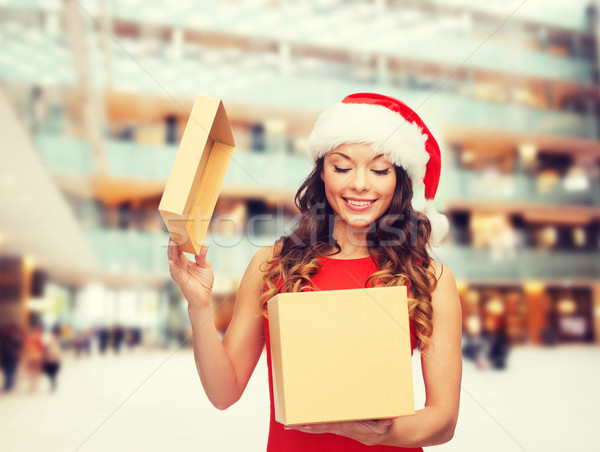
<point x="397" y="242"/>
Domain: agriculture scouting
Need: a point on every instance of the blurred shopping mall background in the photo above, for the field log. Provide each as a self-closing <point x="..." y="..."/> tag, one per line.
<point x="95" y="95"/>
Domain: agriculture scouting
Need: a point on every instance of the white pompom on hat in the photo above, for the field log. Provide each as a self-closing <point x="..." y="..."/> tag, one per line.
<point x="393" y="129"/>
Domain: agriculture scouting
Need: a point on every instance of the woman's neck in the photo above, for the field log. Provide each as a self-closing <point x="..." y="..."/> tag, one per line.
<point x="352" y="241"/>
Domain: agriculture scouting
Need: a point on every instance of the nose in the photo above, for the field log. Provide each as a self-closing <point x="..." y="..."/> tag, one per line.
<point x="358" y="181"/>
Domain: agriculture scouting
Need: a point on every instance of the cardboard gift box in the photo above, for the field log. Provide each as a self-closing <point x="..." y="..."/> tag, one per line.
<point x="197" y="175"/>
<point x="341" y="355"/>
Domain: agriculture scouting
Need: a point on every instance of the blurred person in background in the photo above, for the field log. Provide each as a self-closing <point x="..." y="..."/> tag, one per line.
<point x="103" y="339"/>
<point x="52" y="356"/>
<point x="38" y="109"/>
<point x="475" y="345"/>
<point x="358" y="229"/>
<point x="11" y="343"/>
<point x="83" y="342"/>
<point x="498" y="345"/>
<point x="33" y="355"/>
<point x="118" y="335"/>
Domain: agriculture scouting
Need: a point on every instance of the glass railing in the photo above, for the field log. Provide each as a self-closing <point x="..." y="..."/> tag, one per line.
<point x="313" y="27"/>
<point x="137" y="252"/>
<point x="483" y="264"/>
<point x="448" y="110"/>
<point x="560" y="13"/>
<point x="65" y="154"/>
<point x="219" y="73"/>
<point x="130" y="251"/>
<point x="439" y="109"/>
<point x="276" y="170"/>
<point x="461" y="184"/>
<point x="128" y="159"/>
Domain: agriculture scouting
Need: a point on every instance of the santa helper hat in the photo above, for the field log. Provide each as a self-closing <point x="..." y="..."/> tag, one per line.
<point x="393" y="129"/>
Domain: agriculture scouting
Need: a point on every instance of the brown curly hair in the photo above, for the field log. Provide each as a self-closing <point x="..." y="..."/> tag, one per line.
<point x="397" y="242"/>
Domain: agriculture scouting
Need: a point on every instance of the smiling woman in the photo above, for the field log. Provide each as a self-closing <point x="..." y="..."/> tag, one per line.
<point x="358" y="183"/>
<point x="358" y="229"/>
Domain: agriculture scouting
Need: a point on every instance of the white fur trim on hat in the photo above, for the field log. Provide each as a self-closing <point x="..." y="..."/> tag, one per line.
<point x="387" y="131"/>
<point x="439" y="223"/>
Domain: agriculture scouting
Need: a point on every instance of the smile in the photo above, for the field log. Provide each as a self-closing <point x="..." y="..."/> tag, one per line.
<point x="358" y="204"/>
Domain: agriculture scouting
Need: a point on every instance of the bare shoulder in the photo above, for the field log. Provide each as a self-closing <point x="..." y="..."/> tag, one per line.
<point x="257" y="266"/>
<point x="262" y="256"/>
<point x="446" y="291"/>
<point x="252" y="283"/>
<point x="442" y="274"/>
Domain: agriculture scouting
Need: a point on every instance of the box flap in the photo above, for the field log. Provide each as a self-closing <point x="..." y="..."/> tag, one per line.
<point x="181" y="186"/>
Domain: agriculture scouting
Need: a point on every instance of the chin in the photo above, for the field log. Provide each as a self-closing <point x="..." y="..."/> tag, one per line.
<point x="360" y="223"/>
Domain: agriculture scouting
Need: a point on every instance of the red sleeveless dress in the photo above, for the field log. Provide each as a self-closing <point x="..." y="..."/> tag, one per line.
<point x="335" y="274"/>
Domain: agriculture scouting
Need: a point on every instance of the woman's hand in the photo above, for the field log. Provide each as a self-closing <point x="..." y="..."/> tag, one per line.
<point x="194" y="279"/>
<point x="366" y="432"/>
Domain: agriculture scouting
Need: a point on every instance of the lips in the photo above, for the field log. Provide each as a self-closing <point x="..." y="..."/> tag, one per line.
<point x="358" y="204"/>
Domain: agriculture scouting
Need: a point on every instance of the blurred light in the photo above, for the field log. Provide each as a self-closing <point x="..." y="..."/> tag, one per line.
<point x="468" y="156"/>
<point x="29" y="262"/>
<point x="275" y="126"/>
<point x="579" y="236"/>
<point x="548" y="236"/>
<point x="461" y="286"/>
<point x="528" y="152"/>
<point x="495" y="306"/>
<point x="472" y="297"/>
<point x="38" y="303"/>
<point x="576" y="179"/>
<point x="567" y="306"/>
<point x="473" y="324"/>
<point x="547" y="181"/>
<point x="175" y="50"/>
<point x="534" y="286"/>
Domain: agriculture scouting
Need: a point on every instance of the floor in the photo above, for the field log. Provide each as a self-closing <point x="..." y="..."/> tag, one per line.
<point x="548" y="399"/>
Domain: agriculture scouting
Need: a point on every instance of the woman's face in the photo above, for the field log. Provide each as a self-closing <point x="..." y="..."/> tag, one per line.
<point x="359" y="184"/>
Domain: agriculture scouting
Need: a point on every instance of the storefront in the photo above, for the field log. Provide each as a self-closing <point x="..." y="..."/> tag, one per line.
<point x="570" y="314"/>
<point x="535" y="313"/>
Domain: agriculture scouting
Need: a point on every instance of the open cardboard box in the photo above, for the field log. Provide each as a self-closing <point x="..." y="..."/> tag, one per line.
<point x="196" y="178"/>
<point x="341" y="355"/>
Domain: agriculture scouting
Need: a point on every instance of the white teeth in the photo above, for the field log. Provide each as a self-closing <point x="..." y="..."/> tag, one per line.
<point x="358" y="203"/>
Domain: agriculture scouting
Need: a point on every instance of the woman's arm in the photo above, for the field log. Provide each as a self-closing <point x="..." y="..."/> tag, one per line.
<point x="224" y="367"/>
<point x="442" y="372"/>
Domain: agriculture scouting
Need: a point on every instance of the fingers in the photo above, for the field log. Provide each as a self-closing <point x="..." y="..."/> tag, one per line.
<point x="200" y="258"/>
<point x="366" y="431"/>
<point x="175" y="264"/>
<point x="382" y="425"/>
<point x="173" y="250"/>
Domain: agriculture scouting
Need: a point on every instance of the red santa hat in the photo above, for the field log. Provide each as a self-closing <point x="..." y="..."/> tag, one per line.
<point x="393" y="129"/>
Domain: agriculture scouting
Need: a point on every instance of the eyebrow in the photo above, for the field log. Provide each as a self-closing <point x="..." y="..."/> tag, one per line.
<point x="349" y="158"/>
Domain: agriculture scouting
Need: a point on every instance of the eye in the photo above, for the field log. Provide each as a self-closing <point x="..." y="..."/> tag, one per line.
<point x="382" y="172"/>
<point x="341" y="170"/>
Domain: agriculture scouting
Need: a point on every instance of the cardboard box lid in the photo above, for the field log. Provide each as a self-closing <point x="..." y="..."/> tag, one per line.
<point x="208" y="124"/>
<point x="341" y="355"/>
<point x="197" y="174"/>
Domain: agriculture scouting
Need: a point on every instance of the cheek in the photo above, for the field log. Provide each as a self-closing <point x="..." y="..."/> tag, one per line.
<point x="389" y="189"/>
<point x="333" y="184"/>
